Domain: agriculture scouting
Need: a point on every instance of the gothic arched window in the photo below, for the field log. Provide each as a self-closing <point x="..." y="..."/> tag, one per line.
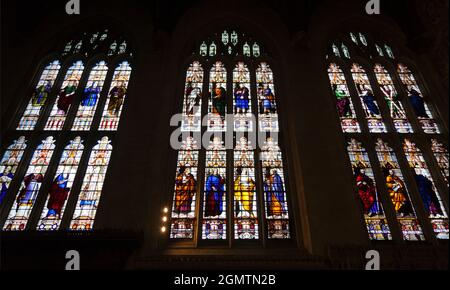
<point x="69" y="94"/>
<point x="389" y="101"/>
<point x="230" y="190"/>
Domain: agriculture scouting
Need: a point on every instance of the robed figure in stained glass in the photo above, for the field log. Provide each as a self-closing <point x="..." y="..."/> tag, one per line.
<point x="244" y="187"/>
<point x="268" y="99"/>
<point x="192" y="97"/>
<point x="58" y="194"/>
<point x="66" y="96"/>
<point x="5" y="179"/>
<point x="90" y="95"/>
<point x="342" y="103"/>
<point x="185" y="189"/>
<point x="397" y="192"/>
<point x="369" y="101"/>
<point x="274" y="190"/>
<point x="367" y="192"/>
<point x="30" y="186"/>
<point x="418" y="104"/>
<point x="41" y="95"/>
<point x="241" y="95"/>
<point x="116" y="97"/>
<point x="214" y="194"/>
<point x="218" y="100"/>
<point x="428" y="195"/>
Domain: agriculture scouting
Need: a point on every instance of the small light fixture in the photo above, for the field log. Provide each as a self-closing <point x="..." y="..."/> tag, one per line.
<point x="166" y="210"/>
<point x="163" y="229"/>
<point x="164" y="219"/>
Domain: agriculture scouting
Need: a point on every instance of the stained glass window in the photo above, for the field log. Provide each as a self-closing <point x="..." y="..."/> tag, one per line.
<point x="242" y="99"/>
<point x="91" y="189"/>
<point x="362" y="38"/>
<point x="9" y="163"/>
<point x="336" y="50"/>
<point x="61" y="186"/>
<point x="379" y="50"/>
<point x="31" y="184"/>
<point x="345" y="50"/>
<point x="90" y="98"/>
<point x="116" y="98"/>
<point x="192" y="101"/>
<point x="389" y="51"/>
<point x="441" y="154"/>
<point x="371" y="109"/>
<point x="245" y="199"/>
<point x="353" y="38"/>
<point x="428" y="192"/>
<point x="416" y="100"/>
<point x="399" y="193"/>
<point x="39" y="97"/>
<point x="217" y="102"/>
<point x="267" y="105"/>
<point x="391" y="97"/>
<point x="214" y="225"/>
<point x="344" y="103"/>
<point x="274" y="185"/>
<point x="185" y="196"/>
<point x="368" y="194"/>
<point x="65" y="97"/>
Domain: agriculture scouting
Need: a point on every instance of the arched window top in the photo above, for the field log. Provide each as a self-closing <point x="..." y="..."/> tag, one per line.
<point x="359" y="45"/>
<point x="229" y="42"/>
<point x="88" y="43"/>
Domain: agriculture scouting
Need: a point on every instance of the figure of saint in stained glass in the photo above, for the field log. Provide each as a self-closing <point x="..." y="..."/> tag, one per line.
<point x="342" y="103"/>
<point x="366" y="191"/>
<point x="116" y="97"/>
<point x="274" y="190"/>
<point x="57" y="195"/>
<point x="185" y="189"/>
<point x="90" y="95"/>
<point x="418" y="104"/>
<point x="214" y="194"/>
<point x="41" y="94"/>
<point x="67" y="94"/>
<point x="241" y="95"/>
<point x="429" y="197"/>
<point x="192" y="98"/>
<point x="5" y="179"/>
<point x="397" y="192"/>
<point x="244" y="191"/>
<point x="218" y="100"/>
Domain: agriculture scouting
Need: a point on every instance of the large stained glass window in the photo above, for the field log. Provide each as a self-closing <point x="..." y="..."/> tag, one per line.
<point x="440" y="152"/>
<point x="267" y="105"/>
<point x="91" y="189"/>
<point x="368" y="194"/>
<point x="26" y="197"/>
<point x="185" y="196"/>
<point x="9" y="163"/>
<point x="90" y="98"/>
<point x="192" y="100"/>
<point x="399" y="193"/>
<point x="428" y="192"/>
<point x="391" y="97"/>
<point x="274" y="186"/>
<point x="61" y="186"/>
<point x="245" y="209"/>
<point x="214" y="225"/>
<point x="242" y="100"/>
<point x="116" y="98"/>
<point x="39" y="97"/>
<point x="420" y="107"/>
<point x="371" y="109"/>
<point x="65" y="97"/>
<point x="217" y="102"/>
<point x="344" y="102"/>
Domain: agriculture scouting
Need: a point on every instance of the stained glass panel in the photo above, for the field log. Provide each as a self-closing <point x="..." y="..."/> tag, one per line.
<point x="267" y="105"/>
<point x="90" y="98"/>
<point x="242" y="99"/>
<point x="65" y="97"/>
<point x="61" y="186"/>
<point x="274" y="185"/>
<point x="40" y="95"/>
<point x="374" y="216"/>
<point x="214" y="225"/>
<point x="428" y="192"/>
<point x="423" y="113"/>
<point x="114" y="103"/>
<point x="344" y="104"/>
<point x="91" y="189"/>
<point x="217" y="102"/>
<point x="441" y="154"/>
<point x="245" y="199"/>
<point x="31" y="184"/>
<point x="391" y="97"/>
<point x="368" y="101"/>
<point x="9" y="164"/>
<point x="185" y="195"/>
<point x="192" y="102"/>
<point x="399" y="193"/>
